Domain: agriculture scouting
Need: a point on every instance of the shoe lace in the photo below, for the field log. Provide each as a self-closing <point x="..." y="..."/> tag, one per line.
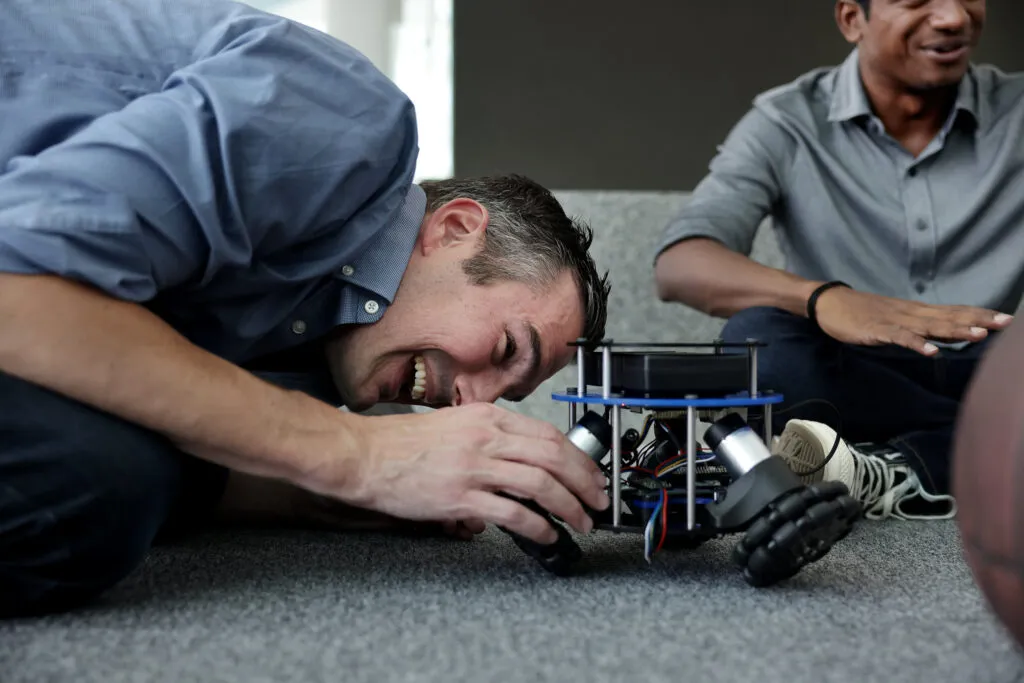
<point x="875" y="485"/>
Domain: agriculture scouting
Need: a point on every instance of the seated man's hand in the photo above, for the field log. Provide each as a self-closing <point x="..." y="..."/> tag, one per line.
<point x="865" y="319"/>
<point x="450" y="465"/>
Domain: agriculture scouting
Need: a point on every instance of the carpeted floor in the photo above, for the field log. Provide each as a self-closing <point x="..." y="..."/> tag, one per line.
<point x="894" y="603"/>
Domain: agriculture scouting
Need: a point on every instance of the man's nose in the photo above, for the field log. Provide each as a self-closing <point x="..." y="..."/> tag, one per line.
<point x="483" y="387"/>
<point x="949" y="15"/>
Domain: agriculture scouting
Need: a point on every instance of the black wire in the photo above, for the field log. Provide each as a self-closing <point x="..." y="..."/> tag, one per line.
<point x="672" y="437"/>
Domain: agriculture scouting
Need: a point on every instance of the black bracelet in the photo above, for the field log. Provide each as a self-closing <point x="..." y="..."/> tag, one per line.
<point x="812" y="301"/>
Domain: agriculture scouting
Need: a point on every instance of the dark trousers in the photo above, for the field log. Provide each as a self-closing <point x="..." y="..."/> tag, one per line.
<point x="885" y="395"/>
<point x="84" y="496"/>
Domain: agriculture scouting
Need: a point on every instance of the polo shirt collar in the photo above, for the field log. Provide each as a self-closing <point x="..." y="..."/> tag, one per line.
<point x="850" y="102"/>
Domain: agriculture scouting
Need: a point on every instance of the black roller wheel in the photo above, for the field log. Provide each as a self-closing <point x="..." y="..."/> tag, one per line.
<point x="796" y="530"/>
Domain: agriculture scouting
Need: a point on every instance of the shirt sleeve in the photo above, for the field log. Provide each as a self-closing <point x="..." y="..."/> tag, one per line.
<point x="743" y="184"/>
<point x="279" y="136"/>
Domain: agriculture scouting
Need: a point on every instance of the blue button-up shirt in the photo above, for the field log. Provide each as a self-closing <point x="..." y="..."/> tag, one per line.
<point x="849" y="203"/>
<point x="247" y="178"/>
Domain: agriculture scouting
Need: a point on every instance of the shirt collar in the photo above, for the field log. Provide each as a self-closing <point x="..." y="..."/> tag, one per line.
<point x="850" y="102"/>
<point x="381" y="265"/>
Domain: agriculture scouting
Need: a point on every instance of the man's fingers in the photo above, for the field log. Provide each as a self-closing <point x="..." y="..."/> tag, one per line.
<point x="524" y="481"/>
<point x="991" y="320"/>
<point x="511" y="515"/>
<point x="966" y="317"/>
<point x="564" y="454"/>
<point x="908" y="339"/>
<point x="518" y="424"/>
<point x="475" y="526"/>
<point x="462" y="530"/>
<point x="949" y="331"/>
<point x="563" y="461"/>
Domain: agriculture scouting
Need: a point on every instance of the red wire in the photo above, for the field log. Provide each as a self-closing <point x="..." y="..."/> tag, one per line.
<point x="664" y="519"/>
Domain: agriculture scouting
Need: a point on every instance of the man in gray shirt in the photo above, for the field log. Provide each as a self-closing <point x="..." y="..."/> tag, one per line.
<point x="894" y="184"/>
<point x="210" y="240"/>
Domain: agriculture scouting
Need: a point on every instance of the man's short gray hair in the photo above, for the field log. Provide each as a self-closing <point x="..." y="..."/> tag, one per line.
<point x="529" y="238"/>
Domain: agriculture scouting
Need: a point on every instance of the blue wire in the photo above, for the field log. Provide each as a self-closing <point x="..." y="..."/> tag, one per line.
<point x="649" y="531"/>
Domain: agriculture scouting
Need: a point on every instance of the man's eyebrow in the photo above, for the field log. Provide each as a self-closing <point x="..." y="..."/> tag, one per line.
<point x="535" y="361"/>
<point x="535" y="358"/>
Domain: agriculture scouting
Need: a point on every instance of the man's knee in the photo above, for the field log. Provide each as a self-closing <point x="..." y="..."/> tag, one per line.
<point x="82" y="496"/>
<point x="792" y="346"/>
<point x="796" y="360"/>
<point x="769" y="325"/>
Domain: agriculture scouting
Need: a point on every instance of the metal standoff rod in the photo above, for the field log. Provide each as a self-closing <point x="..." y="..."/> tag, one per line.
<point x="691" y="464"/>
<point x="752" y="355"/>
<point x="606" y="393"/>
<point x="581" y="383"/>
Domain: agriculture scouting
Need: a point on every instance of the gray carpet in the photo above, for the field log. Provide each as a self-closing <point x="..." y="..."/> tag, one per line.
<point x="894" y="603"/>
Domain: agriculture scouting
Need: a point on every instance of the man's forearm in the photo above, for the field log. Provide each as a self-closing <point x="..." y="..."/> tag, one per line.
<point x="706" y="275"/>
<point x="124" y="360"/>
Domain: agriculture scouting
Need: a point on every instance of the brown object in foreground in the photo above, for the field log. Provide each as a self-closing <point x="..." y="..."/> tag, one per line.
<point x="988" y="477"/>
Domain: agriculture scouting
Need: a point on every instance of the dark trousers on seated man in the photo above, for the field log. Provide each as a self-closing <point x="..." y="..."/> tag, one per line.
<point x="897" y="409"/>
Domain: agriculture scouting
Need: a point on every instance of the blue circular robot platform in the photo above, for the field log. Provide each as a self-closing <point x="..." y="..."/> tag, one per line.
<point x="737" y="401"/>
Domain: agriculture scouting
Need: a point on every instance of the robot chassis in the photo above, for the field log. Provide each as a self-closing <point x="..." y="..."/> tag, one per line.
<point x="679" y="491"/>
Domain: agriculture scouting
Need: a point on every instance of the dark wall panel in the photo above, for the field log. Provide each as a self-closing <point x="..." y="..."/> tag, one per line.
<point x="636" y="94"/>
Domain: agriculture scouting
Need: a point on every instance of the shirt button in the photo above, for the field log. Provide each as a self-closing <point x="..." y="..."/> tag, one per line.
<point x="347" y="271"/>
<point x="912" y="172"/>
<point x="299" y="327"/>
<point x="371" y="307"/>
<point x="920" y="287"/>
<point x="922" y="225"/>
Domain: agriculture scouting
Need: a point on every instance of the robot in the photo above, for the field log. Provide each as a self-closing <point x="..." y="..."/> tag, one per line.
<point x="678" y="488"/>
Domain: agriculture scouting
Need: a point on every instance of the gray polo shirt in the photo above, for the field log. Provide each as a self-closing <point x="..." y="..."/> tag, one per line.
<point x="848" y="203"/>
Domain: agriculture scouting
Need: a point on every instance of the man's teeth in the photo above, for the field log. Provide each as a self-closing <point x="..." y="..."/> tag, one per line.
<point x="419" y="386"/>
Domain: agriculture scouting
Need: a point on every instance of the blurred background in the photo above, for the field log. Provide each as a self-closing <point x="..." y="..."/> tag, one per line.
<point x="617" y="106"/>
<point x="594" y="94"/>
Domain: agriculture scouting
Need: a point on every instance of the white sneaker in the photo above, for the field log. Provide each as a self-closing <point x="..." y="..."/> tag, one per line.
<point x="883" y="483"/>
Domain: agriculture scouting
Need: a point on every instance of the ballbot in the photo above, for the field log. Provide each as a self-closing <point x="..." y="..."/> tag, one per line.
<point x="677" y="492"/>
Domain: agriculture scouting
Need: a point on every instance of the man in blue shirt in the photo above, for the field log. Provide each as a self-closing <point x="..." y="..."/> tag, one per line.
<point x="210" y="240"/>
<point x="893" y="184"/>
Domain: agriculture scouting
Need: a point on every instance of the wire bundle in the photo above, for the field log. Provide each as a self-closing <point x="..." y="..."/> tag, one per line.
<point x="660" y="510"/>
<point x="659" y="517"/>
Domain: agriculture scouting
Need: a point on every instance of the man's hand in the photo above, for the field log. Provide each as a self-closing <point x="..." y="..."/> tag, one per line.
<point x="864" y="319"/>
<point x="450" y="464"/>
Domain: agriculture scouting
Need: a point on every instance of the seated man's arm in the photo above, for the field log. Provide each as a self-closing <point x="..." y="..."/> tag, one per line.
<point x="703" y="258"/>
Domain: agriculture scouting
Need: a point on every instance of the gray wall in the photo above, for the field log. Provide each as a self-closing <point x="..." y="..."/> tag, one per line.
<point x="636" y="94"/>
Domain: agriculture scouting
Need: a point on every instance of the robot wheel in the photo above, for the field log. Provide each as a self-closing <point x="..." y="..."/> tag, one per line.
<point x="797" y="529"/>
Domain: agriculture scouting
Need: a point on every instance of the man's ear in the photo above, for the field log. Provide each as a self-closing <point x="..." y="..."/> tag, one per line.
<point x="850" y="20"/>
<point x="456" y="223"/>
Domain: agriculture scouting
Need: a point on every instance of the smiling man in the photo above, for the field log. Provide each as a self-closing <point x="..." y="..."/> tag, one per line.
<point x="893" y="183"/>
<point x="210" y="241"/>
